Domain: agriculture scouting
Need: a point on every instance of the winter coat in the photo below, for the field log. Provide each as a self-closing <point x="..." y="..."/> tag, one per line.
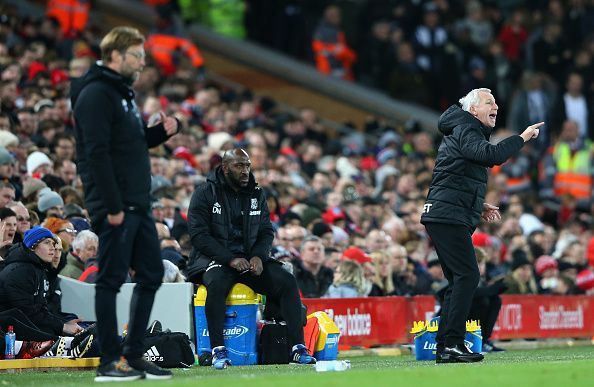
<point x="209" y="223"/>
<point x="24" y="285"/>
<point x="112" y="144"/>
<point x="459" y="184"/>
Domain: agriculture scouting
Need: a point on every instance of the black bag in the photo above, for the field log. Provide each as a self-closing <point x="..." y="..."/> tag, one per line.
<point x="274" y="346"/>
<point x="169" y="349"/>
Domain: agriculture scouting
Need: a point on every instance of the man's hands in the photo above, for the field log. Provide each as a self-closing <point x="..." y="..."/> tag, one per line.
<point x="242" y="265"/>
<point x="490" y="213"/>
<point x="531" y="131"/>
<point x="72" y="327"/>
<point x="169" y="123"/>
<point x="256" y="266"/>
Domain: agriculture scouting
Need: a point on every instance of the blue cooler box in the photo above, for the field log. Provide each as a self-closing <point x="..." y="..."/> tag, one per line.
<point x="425" y="345"/>
<point x="240" y="329"/>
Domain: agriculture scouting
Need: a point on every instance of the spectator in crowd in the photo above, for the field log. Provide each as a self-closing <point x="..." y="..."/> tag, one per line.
<point x="50" y="204"/>
<point x="63" y="229"/>
<point x="349" y="281"/>
<point x="574" y="105"/>
<point x="8" y="230"/>
<point x="312" y="276"/>
<point x="111" y="152"/>
<point x="533" y="103"/>
<point x="333" y="56"/>
<point x="521" y="279"/>
<point x="7" y="193"/>
<point x="566" y="174"/>
<point x="383" y="273"/>
<point x="24" y="282"/>
<point x="231" y="234"/>
<point x="39" y="165"/>
<point x="332" y="257"/>
<point x="464" y="147"/>
<point x="84" y="247"/>
<point x="23" y="219"/>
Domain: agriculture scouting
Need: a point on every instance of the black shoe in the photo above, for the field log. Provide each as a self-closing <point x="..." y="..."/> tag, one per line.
<point x="155" y="327"/>
<point x="58" y="349"/>
<point x="458" y="353"/>
<point x="117" y="371"/>
<point x="82" y="335"/>
<point x="151" y="370"/>
<point x="81" y="349"/>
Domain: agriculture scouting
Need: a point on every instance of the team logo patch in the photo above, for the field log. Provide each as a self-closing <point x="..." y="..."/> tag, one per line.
<point x="254" y="203"/>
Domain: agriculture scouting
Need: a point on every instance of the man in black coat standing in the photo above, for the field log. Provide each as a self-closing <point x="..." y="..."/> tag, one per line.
<point x="113" y="160"/>
<point x="231" y="234"/>
<point x="456" y="203"/>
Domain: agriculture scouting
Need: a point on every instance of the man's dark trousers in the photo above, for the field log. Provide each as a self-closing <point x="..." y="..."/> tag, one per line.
<point x="455" y="251"/>
<point x="133" y="244"/>
<point x="274" y="282"/>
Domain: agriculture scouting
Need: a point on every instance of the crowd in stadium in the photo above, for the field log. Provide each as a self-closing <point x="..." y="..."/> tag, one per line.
<point x="345" y="209"/>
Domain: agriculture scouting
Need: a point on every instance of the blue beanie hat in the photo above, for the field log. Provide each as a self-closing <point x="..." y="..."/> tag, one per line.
<point x="36" y="234"/>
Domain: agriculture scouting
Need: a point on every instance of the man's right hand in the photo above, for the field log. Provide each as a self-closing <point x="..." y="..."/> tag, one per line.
<point x="240" y="264"/>
<point x="531" y="131"/>
<point x="72" y="327"/>
<point x="115" y="219"/>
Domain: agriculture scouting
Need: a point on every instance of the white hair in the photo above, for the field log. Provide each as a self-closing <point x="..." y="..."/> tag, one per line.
<point x="82" y="238"/>
<point x="472" y="98"/>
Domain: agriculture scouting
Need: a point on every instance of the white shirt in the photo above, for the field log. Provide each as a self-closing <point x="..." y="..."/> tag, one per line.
<point x="577" y="110"/>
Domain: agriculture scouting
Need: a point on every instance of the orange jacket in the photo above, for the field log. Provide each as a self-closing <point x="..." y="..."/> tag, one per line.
<point x="339" y="51"/>
<point x="71" y="14"/>
<point x="162" y="48"/>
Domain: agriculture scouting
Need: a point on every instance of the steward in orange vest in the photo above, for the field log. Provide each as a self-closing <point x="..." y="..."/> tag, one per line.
<point x="71" y="14"/>
<point x="163" y="49"/>
<point x="332" y="54"/>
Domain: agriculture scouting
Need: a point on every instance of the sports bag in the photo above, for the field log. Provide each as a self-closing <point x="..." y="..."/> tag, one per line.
<point x="169" y="349"/>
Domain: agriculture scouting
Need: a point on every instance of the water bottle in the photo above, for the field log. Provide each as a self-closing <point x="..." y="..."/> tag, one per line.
<point x="332" y="365"/>
<point x="10" y="339"/>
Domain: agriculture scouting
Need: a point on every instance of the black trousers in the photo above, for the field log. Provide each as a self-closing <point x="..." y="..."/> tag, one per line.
<point x="486" y="309"/>
<point x="275" y="283"/>
<point x="133" y="244"/>
<point x="454" y="248"/>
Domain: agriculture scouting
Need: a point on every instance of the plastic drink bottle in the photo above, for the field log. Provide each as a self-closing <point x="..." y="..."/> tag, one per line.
<point x="10" y="339"/>
<point x="332" y="365"/>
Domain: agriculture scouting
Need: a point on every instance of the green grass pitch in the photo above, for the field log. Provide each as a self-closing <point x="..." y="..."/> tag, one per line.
<point x="560" y="367"/>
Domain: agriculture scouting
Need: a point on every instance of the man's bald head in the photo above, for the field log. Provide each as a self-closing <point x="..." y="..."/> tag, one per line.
<point x="234" y="154"/>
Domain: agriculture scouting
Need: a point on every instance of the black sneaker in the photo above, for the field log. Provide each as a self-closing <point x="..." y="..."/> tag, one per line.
<point x="151" y="370"/>
<point x="81" y="349"/>
<point x="82" y="335"/>
<point x="155" y="327"/>
<point x="58" y="349"/>
<point x="118" y="371"/>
